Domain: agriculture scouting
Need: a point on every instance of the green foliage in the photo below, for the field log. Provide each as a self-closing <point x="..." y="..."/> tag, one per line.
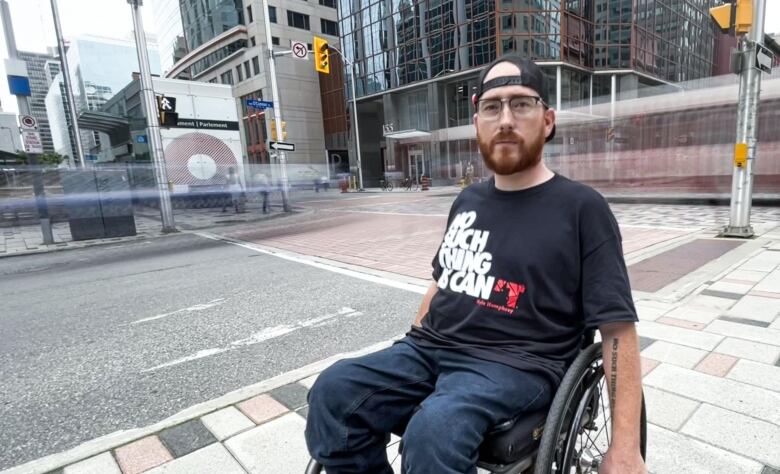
<point x="44" y="159"/>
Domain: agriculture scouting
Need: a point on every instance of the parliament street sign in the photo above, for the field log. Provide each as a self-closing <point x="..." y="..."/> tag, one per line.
<point x="259" y="104"/>
<point x="282" y="146"/>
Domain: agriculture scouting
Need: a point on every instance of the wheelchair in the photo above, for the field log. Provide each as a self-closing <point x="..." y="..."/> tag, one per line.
<point x="571" y="436"/>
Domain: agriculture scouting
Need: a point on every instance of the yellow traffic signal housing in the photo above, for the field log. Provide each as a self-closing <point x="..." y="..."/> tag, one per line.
<point x="737" y="15"/>
<point x="722" y="16"/>
<point x="273" y="130"/>
<point x="321" y="55"/>
<point x="744" y="16"/>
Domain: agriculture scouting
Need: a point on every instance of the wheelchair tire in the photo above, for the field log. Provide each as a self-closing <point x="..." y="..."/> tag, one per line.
<point x="568" y="407"/>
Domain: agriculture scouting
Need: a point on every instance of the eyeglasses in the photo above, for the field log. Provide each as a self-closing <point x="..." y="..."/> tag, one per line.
<point x="521" y="106"/>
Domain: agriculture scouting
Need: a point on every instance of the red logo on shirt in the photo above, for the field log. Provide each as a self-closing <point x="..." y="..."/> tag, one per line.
<point x="514" y="291"/>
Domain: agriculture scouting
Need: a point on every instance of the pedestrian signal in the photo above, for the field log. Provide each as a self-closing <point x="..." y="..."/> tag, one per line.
<point x="736" y="16"/>
<point x="321" y="55"/>
<point x="274" y="136"/>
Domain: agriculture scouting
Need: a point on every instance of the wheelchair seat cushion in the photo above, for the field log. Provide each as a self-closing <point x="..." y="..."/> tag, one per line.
<point x="514" y="439"/>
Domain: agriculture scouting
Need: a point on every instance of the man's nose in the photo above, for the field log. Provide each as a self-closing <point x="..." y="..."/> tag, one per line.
<point x="506" y="120"/>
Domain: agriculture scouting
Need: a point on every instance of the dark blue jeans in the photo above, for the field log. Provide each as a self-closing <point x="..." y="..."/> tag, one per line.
<point x="356" y="403"/>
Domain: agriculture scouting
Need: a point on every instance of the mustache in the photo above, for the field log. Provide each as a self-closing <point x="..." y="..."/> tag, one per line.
<point x="503" y="137"/>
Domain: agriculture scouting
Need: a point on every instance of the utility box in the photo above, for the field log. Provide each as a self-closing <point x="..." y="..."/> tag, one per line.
<point x="99" y="203"/>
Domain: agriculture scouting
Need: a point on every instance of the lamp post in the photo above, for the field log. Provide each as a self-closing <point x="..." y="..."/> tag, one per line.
<point x="152" y="120"/>
<point x="355" y="117"/>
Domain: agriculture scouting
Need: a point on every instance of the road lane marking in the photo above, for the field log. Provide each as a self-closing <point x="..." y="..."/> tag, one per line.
<point x="286" y="255"/>
<point x="191" y="309"/>
<point x="263" y="335"/>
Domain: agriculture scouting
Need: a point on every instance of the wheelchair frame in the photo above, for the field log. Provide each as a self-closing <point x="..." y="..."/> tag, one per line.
<point x="572" y="410"/>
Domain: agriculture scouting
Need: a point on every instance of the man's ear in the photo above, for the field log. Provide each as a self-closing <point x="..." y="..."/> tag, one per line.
<point x="474" y="99"/>
<point x="549" y="121"/>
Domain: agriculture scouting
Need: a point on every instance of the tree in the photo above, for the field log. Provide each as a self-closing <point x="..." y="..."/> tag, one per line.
<point x="44" y="159"/>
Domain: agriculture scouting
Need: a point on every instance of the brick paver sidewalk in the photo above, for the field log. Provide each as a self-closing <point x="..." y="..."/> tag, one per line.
<point x="710" y="359"/>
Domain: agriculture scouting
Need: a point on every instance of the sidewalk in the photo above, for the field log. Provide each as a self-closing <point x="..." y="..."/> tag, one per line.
<point x="26" y="240"/>
<point x="710" y="340"/>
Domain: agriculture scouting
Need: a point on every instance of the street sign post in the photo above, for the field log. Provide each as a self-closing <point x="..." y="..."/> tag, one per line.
<point x="259" y="104"/>
<point x="282" y="146"/>
<point x="300" y="50"/>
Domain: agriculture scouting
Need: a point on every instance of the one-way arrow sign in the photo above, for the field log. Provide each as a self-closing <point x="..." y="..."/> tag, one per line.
<point x="282" y="146"/>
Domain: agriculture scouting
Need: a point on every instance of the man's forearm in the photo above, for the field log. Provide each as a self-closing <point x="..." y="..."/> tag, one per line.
<point x="426" y="303"/>
<point x="624" y="382"/>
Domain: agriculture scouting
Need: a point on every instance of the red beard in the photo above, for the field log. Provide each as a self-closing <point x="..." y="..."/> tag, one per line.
<point x="527" y="154"/>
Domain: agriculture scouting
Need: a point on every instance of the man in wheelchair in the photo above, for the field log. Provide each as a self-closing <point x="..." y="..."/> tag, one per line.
<point x="530" y="261"/>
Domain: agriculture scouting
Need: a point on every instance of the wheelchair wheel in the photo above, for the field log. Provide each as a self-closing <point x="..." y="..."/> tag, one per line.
<point x="578" y="430"/>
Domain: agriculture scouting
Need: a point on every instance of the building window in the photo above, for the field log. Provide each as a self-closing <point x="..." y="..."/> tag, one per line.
<point x="249" y="16"/>
<point x="227" y="77"/>
<point x="240" y="74"/>
<point x="247" y="72"/>
<point x="329" y="27"/>
<point x="271" y="14"/>
<point x="298" y="20"/>
<point x="275" y="40"/>
<point x="256" y="65"/>
<point x="253" y="41"/>
<point x="328" y="3"/>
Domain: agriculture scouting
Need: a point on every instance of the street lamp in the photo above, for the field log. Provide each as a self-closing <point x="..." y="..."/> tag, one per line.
<point x="152" y="120"/>
<point x="355" y="118"/>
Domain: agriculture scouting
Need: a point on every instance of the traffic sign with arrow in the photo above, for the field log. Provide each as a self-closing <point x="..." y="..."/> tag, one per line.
<point x="282" y="146"/>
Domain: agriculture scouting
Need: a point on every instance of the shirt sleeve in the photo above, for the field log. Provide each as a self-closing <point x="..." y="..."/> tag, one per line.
<point x="606" y="290"/>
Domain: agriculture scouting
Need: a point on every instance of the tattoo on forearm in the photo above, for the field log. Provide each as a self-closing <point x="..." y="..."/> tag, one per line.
<point x="613" y="377"/>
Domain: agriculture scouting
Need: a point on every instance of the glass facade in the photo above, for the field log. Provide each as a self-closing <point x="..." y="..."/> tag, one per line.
<point x="203" y="20"/>
<point x="398" y="42"/>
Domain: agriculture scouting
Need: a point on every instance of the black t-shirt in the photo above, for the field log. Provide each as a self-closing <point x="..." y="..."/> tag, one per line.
<point x="522" y="274"/>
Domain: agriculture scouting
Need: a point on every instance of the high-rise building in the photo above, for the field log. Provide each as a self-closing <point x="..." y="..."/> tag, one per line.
<point x="418" y="61"/>
<point x="39" y="68"/>
<point x="226" y="43"/>
<point x="170" y="33"/>
<point x="99" y="67"/>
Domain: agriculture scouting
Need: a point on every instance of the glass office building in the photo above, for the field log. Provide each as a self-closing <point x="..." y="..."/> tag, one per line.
<point x="417" y="62"/>
<point x="203" y="21"/>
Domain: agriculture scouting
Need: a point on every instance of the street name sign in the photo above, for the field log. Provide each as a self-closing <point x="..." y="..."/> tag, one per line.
<point x="282" y="146"/>
<point x="259" y="104"/>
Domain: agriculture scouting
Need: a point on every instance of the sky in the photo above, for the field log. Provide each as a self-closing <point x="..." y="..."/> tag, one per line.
<point x="34" y="28"/>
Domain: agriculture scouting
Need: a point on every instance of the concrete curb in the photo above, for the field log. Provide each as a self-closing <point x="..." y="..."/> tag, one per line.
<point x="120" y="438"/>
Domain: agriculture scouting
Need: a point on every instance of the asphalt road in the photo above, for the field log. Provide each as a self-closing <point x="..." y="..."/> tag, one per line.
<point x="109" y="338"/>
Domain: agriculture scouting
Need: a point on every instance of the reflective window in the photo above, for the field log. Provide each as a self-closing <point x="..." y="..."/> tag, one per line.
<point x="298" y="20"/>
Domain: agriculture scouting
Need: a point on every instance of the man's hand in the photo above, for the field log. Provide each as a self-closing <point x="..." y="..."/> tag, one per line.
<point x="623" y="461"/>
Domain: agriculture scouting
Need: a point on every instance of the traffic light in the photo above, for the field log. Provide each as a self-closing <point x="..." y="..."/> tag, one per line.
<point x="273" y="130"/>
<point x="735" y="16"/>
<point x="169" y="119"/>
<point x="744" y="16"/>
<point x="321" y="55"/>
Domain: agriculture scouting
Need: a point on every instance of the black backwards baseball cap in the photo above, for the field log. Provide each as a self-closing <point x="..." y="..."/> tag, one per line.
<point x="530" y="76"/>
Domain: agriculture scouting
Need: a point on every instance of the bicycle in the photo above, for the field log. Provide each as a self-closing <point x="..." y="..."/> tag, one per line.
<point x="410" y="185"/>
<point x="386" y="185"/>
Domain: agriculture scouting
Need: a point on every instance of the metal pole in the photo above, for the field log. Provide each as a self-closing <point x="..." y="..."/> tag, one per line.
<point x="357" y="127"/>
<point x="152" y="120"/>
<point x="277" y="106"/>
<point x="747" y="128"/>
<point x="68" y="88"/>
<point x="24" y="109"/>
